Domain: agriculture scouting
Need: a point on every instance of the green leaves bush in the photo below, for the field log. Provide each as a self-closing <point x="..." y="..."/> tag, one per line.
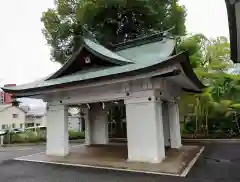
<point x="28" y="137"/>
<point x="37" y="137"/>
<point x="74" y="135"/>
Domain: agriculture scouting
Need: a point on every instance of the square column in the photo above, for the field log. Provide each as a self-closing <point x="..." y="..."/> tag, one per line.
<point x="166" y="127"/>
<point x="96" y="131"/>
<point x="57" y="131"/>
<point x="145" y="129"/>
<point x="175" y="132"/>
<point x="87" y="126"/>
<point x="99" y="122"/>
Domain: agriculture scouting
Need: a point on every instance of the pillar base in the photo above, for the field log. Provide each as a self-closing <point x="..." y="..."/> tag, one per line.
<point x="57" y="154"/>
<point x="147" y="161"/>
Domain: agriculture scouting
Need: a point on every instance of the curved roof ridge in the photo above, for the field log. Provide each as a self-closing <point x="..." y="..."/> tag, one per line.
<point x="98" y="50"/>
<point x="142" y="40"/>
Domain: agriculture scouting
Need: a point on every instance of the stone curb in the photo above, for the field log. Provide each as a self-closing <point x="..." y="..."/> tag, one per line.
<point x="23" y="144"/>
<point x="236" y="140"/>
<point x="39" y="144"/>
<point x="211" y="140"/>
<point x="125" y="140"/>
<point x="192" y="163"/>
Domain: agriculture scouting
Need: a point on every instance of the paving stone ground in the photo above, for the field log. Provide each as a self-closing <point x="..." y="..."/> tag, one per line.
<point x="205" y="170"/>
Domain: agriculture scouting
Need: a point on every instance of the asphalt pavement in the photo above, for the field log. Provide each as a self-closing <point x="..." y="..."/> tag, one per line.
<point x="219" y="163"/>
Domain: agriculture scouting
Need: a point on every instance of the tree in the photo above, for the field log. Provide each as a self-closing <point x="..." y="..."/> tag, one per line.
<point x="109" y="21"/>
<point x="218" y="106"/>
<point x="195" y="45"/>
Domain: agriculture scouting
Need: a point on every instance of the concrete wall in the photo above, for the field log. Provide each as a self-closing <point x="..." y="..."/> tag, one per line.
<point x="7" y="118"/>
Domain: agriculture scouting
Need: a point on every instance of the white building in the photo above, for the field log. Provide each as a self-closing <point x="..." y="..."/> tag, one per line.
<point x="15" y="117"/>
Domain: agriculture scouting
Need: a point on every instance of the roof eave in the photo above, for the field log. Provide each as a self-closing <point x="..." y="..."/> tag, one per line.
<point x="66" y="65"/>
<point x="191" y="75"/>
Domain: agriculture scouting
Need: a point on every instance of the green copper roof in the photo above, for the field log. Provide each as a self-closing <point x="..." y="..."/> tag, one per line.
<point x="132" y="61"/>
<point x="99" y="50"/>
<point x="150" y="52"/>
<point x="91" y="74"/>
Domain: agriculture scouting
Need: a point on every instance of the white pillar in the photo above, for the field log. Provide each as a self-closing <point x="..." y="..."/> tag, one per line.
<point x="2" y="140"/>
<point x="96" y="131"/>
<point x="99" y="121"/>
<point x="166" y="128"/>
<point x="57" y="131"/>
<point x="88" y="139"/>
<point x="145" y="130"/>
<point x="174" y="122"/>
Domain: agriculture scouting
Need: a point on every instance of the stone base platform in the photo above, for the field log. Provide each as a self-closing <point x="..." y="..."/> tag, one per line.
<point x="114" y="156"/>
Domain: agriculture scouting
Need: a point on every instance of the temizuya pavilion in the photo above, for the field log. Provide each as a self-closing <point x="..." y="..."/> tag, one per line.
<point x="145" y="73"/>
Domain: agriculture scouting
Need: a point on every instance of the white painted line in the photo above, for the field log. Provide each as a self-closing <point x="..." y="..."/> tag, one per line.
<point x="99" y="167"/>
<point x="28" y="155"/>
<point x="191" y="164"/>
<point x="22" y="149"/>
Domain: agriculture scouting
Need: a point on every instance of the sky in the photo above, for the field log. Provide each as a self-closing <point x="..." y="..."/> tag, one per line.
<point x="25" y="57"/>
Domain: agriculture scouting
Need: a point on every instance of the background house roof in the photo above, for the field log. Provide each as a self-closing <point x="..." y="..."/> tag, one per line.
<point x="38" y="112"/>
<point x="5" y="106"/>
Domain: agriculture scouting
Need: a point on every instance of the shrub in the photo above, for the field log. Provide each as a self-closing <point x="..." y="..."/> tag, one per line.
<point x="33" y="137"/>
<point x="28" y="137"/>
<point x="74" y="135"/>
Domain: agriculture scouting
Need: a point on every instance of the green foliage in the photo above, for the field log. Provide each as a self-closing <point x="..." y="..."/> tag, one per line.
<point x="28" y="137"/>
<point x="215" y="112"/>
<point x="37" y="137"/>
<point x="74" y="135"/>
<point x="109" y="21"/>
<point x="194" y="46"/>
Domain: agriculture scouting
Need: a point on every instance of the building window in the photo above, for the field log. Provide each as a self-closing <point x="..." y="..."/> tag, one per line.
<point x="29" y="125"/>
<point x="21" y="125"/>
<point x="38" y="124"/>
<point x="4" y="126"/>
<point x="13" y="125"/>
<point x="1" y="100"/>
<point x="15" y="115"/>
